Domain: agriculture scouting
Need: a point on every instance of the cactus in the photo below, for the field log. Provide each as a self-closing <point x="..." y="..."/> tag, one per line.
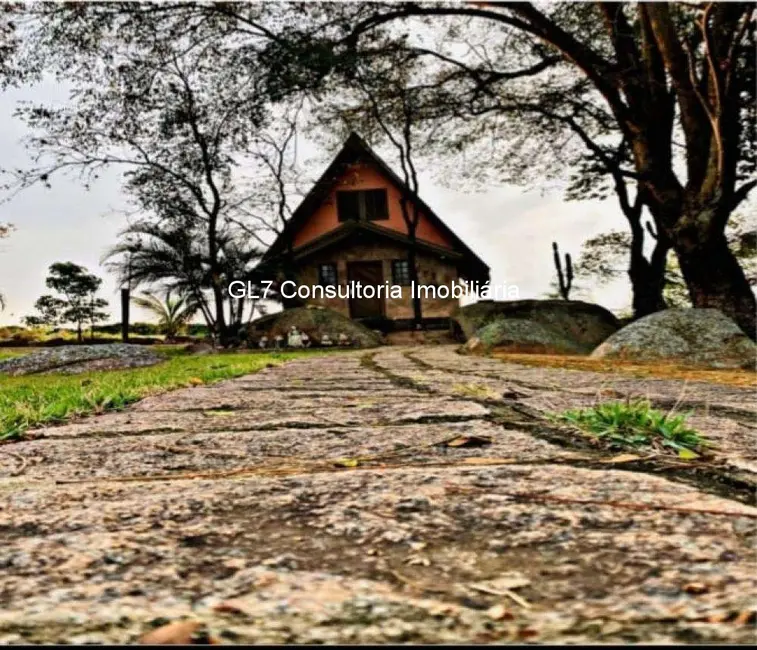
<point x="566" y="280"/>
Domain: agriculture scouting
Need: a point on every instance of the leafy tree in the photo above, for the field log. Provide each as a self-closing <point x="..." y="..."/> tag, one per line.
<point x="603" y="258"/>
<point x="173" y="314"/>
<point x="50" y="310"/>
<point x="95" y="313"/>
<point x="175" y="255"/>
<point x="660" y="72"/>
<point x="169" y="97"/>
<point x="79" y="304"/>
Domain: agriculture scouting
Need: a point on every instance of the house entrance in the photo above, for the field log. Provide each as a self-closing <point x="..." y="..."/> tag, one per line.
<point x="367" y="273"/>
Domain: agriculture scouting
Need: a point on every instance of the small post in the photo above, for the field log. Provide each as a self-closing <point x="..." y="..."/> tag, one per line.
<point x="125" y="314"/>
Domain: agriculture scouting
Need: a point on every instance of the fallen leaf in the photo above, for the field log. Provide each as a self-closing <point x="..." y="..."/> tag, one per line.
<point x="266" y="579"/>
<point x="528" y="633"/>
<point x="229" y="607"/>
<point x="469" y="441"/>
<point x="717" y="617"/>
<point x="687" y="454"/>
<point x="347" y="462"/>
<point x="622" y="458"/>
<point x="176" y="633"/>
<point x="499" y="613"/>
<point x="696" y="588"/>
<point x="498" y="586"/>
<point x="745" y="617"/>
<point x="195" y="381"/>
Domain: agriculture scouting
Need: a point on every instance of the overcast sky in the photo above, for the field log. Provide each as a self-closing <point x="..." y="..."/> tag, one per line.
<point x="509" y="228"/>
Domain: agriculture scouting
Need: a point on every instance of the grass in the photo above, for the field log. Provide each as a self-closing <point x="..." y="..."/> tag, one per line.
<point x="637" y="425"/>
<point x="7" y="353"/>
<point x="745" y="378"/>
<point x="34" y="400"/>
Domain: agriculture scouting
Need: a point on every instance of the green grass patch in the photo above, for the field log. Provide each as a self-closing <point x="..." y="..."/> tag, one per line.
<point x="7" y="353"/>
<point x="635" y="425"/>
<point x="33" y="400"/>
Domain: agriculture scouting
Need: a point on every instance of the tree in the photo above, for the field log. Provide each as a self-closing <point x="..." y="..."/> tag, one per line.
<point x="5" y="231"/>
<point x="49" y="310"/>
<point x="603" y="258"/>
<point x="169" y="97"/>
<point x="79" y="304"/>
<point x="384" y="104"/>
<point x="660" y="69"/>
<point x="174" y="255"/>
<point x="173" y="314"/>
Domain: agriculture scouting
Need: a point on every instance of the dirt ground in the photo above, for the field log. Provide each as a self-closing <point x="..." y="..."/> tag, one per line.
<point x="393" y="495"/>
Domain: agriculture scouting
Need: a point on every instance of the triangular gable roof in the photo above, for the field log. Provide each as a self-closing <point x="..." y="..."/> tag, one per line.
<point x="350" y="228"/>
<point x="354" y="150"/>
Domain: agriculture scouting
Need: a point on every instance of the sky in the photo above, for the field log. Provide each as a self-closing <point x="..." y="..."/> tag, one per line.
<point x="510" y="228"/>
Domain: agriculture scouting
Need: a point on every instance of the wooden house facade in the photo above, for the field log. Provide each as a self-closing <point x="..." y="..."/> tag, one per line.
<point x="350" y="228"/>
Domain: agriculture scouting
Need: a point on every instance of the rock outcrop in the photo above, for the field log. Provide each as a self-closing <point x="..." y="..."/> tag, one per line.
<point x="74" y="359"/>
<point x="538" y="326"/>
<point x="696" y="337"/>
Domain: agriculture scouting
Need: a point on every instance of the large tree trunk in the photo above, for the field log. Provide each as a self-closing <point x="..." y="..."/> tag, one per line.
<point x="716" y="280"/>
<point x="222" y="331"/>
<point x="647" y="284"/>
<point x="647" y="276"/>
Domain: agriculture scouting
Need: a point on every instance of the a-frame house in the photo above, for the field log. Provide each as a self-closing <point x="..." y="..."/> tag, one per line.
<point x="350" y="228"/>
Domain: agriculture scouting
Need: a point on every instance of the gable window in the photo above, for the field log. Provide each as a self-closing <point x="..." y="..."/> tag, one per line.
<point x="376" y="208"/>
<point x="401" y="272"/>
<point x="348" y="206"/>
<point x="327" y="275"/>
<point x="362" y="205"/>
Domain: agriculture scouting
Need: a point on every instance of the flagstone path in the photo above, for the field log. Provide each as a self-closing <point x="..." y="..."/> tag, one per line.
<point x="353" y="497"/>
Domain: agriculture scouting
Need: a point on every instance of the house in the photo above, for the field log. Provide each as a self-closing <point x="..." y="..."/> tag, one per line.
<point x="350" y="228"/>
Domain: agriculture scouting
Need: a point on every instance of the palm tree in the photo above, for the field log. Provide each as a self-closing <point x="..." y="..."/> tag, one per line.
<point x="173" y="314"/>
<point x="174" y="254"/>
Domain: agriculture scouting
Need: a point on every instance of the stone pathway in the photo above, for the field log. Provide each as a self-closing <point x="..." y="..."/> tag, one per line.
<point x="321" y="501"/>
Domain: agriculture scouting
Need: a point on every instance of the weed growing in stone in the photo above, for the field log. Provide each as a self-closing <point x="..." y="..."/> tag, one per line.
<point x="637" y="425"/>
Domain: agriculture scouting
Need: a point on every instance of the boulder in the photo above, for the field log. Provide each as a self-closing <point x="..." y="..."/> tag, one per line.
<point x="695" y="337"/>
<point x="537" y="326"/>
<point x="315" y="323"/>
<point x="73" y="359"/>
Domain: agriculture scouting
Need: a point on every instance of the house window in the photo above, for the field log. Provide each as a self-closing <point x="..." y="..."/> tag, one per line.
<point x="401" y="272"/>
<point x="327" y="275"/>
<point x="348" y="206"/>
<point x="376" y="208"/>
<point x="362" y="205"/>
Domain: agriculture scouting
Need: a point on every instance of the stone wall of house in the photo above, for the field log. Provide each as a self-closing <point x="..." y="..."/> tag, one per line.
<point x="431" y="270"/>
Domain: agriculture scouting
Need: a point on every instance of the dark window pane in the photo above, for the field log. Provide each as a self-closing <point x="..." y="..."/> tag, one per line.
<point x="327" y="275"/>
<point x="401" y="272"/>
<point x="348" y="205"/>
<point x="375" y="205"/>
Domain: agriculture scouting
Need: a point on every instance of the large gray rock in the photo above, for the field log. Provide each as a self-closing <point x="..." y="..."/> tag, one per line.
<point x="696" y="337"/>
<point x="540" y="326"/>
<point x="73" y="359"/>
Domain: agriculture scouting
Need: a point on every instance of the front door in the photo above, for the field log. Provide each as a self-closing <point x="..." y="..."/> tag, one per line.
<point x="367" y="273"/>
